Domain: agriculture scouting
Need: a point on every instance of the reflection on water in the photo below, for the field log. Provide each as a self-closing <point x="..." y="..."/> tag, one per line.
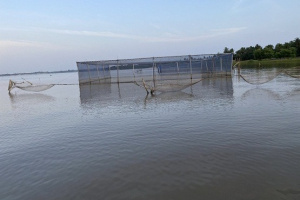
<point x="208" y="88"/>
<point x="29" y="100"/>
<point x="32" y="98"/>
<point x="216" y="87"/>
<point x="94" y="91"/>
<point x="294" y="94"/>
<point x="261" y="93"/>
<point x="170" y="96"/>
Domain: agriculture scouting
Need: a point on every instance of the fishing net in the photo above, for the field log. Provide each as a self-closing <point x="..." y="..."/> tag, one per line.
<point x="293" y="72"/>
<point x="28" y="86"/>
<point x="167" y="85"/>
<point x="260" y="76"/>
<point x="162" y="74"/>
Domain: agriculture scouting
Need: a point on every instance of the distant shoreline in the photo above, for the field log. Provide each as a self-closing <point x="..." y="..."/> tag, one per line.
<point x="283" y="62"/>
<point x="32" y="73"/>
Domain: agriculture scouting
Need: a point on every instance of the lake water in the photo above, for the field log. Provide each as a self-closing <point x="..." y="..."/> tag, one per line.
<point x="219" y="139"/>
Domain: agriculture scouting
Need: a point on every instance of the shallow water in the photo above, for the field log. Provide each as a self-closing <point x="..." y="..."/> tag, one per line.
<point x="219" y="139"/>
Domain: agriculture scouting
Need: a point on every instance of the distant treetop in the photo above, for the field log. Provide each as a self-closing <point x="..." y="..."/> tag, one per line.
<point x="286" y="50"/>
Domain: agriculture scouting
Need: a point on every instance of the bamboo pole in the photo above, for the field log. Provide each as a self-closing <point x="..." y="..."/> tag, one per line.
<point x="109" y="71"/>
<point x="213" y="65"/>
<point x="221" y="64"/>
<point x="88" y="68"/>
<point x="153" y="72"/>
<point x="98" y="74"/>
<point x="103" y="71"/>
<point x="133" y="72"/>
<point x="191" y="70"/>
<point x="118" y="71"/>
<point x="239" y="67"/>
<point x="201" y="65"/>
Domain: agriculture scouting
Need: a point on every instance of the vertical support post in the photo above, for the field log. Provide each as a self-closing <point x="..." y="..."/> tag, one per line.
<point x="201" y="65"/>
<point x="206" y="65"/>
<point x="118" y="71"/>
<point x="239" y="67"/>
<point x="213" y="65"/>
<point x="231" y="66"/>
<point x="201" y="70"/>
<point x="221" y="64"/>
<point x="133" y="72"/>
<point x="109" y="71"/>
<point x="88" y="68"/>
<point x="98" y="74"/>
<point x="153" y="72"/>
<point x="191" y="70"/>
<point x="103" y="71"/>
<point x="177" y="67"/>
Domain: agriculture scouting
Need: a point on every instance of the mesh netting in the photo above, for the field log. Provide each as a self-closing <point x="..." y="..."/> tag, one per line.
<point x="260" y="76"/>
<point x="156" y="73"/>
<point x="293" y="72"/>
<point x="28" y="86"/>
<point x="35" y="88"/>
<point x="167" y="85"/>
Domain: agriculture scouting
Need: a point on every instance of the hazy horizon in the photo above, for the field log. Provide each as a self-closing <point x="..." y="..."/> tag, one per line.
<point x="52" y="36"/>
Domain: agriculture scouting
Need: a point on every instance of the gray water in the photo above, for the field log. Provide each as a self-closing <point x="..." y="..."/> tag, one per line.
<point x="219" y="139"/>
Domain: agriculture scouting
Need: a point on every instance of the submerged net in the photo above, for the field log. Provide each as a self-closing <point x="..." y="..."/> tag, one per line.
<point x="28" y="86"/>
<point x="293" y="72"/>
<point x="167" y="85"/>
<point x="173" y="86"/>
<point x="260" y="76"/>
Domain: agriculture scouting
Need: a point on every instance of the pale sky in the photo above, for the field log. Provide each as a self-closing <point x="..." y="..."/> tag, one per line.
<point x="52" y="35"/>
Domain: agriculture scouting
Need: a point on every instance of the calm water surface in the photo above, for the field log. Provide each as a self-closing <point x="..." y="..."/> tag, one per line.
<point x="220" y="139"/>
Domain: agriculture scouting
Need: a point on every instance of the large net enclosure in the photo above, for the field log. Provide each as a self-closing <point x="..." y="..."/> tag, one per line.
<point x="162" y="74"/>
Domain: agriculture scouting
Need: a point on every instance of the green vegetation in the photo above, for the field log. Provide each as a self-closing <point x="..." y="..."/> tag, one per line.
<point x="287" y="50"/>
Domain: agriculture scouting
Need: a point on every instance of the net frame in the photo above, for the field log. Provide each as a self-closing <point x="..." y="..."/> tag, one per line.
<point x="154" y="69"/>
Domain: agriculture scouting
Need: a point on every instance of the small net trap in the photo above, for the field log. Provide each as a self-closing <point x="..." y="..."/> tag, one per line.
<point x="28" y="86"/>
<point x="31" y="87"/>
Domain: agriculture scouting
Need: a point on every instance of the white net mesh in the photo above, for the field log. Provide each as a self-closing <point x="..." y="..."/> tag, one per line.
<point x="28" y="86"/>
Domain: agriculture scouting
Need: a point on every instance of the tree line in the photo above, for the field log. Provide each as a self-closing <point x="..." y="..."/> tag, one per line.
<point x="287" y="50"/>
